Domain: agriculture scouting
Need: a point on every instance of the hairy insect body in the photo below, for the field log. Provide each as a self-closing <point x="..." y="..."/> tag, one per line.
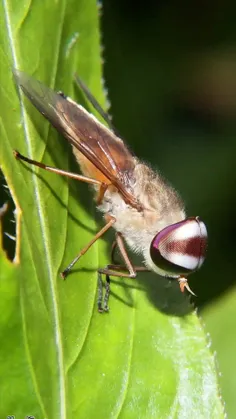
<point x="161" y="207"/>
<point x="135" y="200"/>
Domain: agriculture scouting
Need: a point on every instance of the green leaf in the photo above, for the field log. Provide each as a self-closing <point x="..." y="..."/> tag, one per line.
<point x="220" y="320"/>
<point x="59" y="358"/>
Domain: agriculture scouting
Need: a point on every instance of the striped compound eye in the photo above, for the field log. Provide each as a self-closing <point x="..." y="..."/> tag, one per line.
<point x="180" y="248"/>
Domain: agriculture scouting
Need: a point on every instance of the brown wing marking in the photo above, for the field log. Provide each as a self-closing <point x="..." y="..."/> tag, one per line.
<point x="109" y="160"/>
<point x="101" y="147"/>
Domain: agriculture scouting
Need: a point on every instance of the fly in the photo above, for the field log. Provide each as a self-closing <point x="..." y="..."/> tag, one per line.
<point x="146" y="213"/>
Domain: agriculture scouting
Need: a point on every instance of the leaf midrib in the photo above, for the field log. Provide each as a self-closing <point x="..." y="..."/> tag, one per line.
<point x="46" y="247"/>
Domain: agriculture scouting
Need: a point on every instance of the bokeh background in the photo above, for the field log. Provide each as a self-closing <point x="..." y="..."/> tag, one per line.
<point x="171" y="72"/>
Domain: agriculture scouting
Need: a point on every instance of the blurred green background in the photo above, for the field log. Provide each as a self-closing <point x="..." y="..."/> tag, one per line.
<point x="170" y="68"/>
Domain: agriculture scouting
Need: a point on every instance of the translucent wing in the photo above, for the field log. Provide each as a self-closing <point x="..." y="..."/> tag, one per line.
<point x="109" y="160"/>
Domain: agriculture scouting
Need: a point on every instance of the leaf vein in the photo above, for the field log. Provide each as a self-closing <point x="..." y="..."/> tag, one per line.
<point x="46" y="245"/>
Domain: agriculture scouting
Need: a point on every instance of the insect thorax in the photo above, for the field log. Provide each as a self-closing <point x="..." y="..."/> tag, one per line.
<point x="162" y="207"/>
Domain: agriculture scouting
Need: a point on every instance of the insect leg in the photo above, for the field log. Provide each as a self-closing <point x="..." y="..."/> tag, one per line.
<point x="116" y="264"/>
<point x="124" y="268"/>
<point x="103" y="303"/>
<point x="112" y="270"/>
<point x="85" y="249"/>
<point x="76" y="176"/>
<point x="101" y="192"/>
<point x="116" y="270"/>
<point x="128" y="264"/>
<point x="124" y="254"/>
<point x="100" y="293"/>
<point x="107" y="294"/>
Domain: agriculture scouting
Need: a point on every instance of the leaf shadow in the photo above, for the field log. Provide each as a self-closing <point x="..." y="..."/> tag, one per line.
<point x="163" y="293"/>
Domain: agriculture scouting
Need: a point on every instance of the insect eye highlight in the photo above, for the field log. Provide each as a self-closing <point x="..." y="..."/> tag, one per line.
<point x="180" y="248"/>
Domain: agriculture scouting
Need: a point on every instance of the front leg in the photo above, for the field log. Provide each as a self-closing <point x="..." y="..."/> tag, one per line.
<point x="117" y="271"/>
<point x="109" y="270"/>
